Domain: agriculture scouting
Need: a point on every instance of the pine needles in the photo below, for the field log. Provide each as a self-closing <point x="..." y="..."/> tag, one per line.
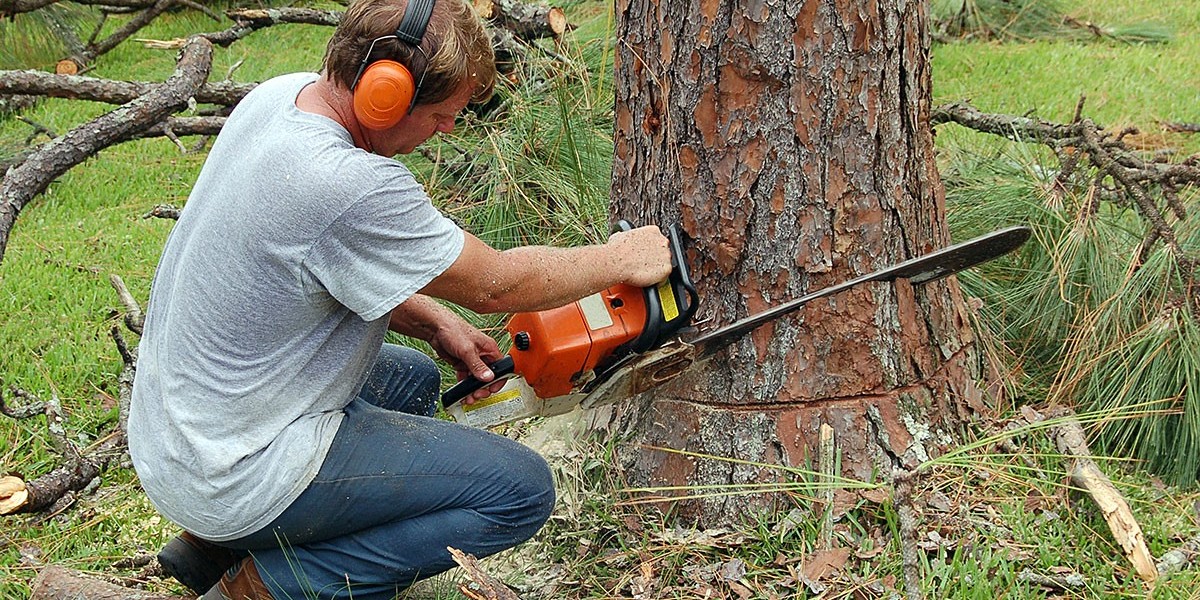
<point x="39" y="38"/>
<point x="1088" y="322"/>
<point x="539" y="171"/>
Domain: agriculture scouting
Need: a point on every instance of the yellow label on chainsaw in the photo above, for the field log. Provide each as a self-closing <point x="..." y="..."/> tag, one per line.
<point x="666" y="297"/>
<point x="496" y="398"/>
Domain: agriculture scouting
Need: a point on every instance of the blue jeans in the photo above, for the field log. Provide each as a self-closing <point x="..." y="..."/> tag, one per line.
<point x="396" y="489"/>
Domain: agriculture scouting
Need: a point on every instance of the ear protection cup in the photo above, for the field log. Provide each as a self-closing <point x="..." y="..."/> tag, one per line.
<point x="384" y="94"/>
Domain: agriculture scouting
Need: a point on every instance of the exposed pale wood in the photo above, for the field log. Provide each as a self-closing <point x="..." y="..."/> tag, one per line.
<point x="12" y="494"/>
<point x="66" y="66"/>
<point x="60" y="583"/>
<point x="827" y="460"/>
<point x="1087" y="475"/>
<point x="528" y="21"/>
<point x="485" y="586"/>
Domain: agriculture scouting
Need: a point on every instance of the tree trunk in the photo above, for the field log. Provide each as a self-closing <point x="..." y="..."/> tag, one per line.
<point x="792" y="141"/>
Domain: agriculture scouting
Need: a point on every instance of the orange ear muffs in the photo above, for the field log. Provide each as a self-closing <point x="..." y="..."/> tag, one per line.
<point x="384" y="94"/>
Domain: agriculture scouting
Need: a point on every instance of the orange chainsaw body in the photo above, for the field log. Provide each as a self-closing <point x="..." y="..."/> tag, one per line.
<point x="555" y="349"/>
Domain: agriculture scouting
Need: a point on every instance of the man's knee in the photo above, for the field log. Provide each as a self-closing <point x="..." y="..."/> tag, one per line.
<point x="534" y="501"/>
<point x="404" y="380"/>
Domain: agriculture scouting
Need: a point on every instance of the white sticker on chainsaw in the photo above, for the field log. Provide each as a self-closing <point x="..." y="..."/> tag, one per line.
<point x="498" y="397"/>
<point x="595" y="312"/>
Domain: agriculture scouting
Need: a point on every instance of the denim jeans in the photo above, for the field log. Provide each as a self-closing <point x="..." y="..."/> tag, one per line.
<point x="396" y="489"/>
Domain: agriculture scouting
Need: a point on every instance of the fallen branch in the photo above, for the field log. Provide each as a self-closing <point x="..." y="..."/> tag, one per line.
<point x="907" y="520"/>
<point x="527" y="21"/>
<point x="1179" y="127"/>
<point x="110" y="91"/>
<point x="1180" y="558"/>
<point x="1070" y="581"/>
<point x="123" y="33"/>
<point x="257" y="18"/>
<point x="1124" y="175"/>
<point x="18" y="495"/>
<point x="25" y="181"/>
<point x="482" y="585"/>
<point x="16" y="7"/>
<point x="172" y="127"/>
<point x="1087" y="476"/>
<point x="82" y="467"/>
<point x="60" y="583"/>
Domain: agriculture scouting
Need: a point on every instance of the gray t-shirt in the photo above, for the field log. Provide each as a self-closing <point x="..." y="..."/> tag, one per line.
<point x="269" y="306"/>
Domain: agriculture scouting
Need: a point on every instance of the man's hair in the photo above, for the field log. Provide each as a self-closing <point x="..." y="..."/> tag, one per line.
<point x="458" y="48"/>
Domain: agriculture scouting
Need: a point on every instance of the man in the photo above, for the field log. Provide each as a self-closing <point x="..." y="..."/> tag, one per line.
<point x="268" y="418"/>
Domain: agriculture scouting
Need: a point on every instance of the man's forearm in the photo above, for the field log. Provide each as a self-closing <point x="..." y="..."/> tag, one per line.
<point x="419" y="317"/>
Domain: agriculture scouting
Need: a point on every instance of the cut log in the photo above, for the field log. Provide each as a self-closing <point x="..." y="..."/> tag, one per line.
<point x="1087" y="475"/>
<point x="59" y="583"/>
<point x="527" y="21"/>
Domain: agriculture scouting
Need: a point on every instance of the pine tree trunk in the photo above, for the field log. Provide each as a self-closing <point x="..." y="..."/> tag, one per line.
<point x="792" y="141"/>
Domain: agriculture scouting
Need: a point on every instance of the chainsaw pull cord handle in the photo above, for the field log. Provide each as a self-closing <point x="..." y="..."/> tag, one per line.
<point x="502" y="369"/>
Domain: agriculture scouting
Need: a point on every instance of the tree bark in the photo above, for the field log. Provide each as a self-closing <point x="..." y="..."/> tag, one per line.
<point x="793" y="143"/>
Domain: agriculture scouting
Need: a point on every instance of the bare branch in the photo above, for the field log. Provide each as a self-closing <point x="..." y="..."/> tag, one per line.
<point x="80" y="87"/>
<point x="25" y="181"/>
<point x="1135" y="179"/>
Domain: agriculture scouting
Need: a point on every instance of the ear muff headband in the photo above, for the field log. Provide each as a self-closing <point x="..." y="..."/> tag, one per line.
<point x="384" y="91"/>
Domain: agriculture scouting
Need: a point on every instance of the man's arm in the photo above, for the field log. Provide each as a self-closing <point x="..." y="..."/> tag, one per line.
<point x="529" y="278"/>
<point x="454" y="340"/>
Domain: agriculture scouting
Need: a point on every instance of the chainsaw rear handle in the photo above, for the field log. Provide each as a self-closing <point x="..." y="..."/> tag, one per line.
<point x="502" y="368"/>
<point x="678" y="284"/>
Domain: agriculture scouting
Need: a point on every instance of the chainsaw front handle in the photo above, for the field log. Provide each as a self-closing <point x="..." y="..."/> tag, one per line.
<point x="502" y="369"/>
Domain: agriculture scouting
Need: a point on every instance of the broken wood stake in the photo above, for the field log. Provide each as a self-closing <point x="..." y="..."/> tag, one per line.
<point x="827" y="458"/>
<point x="485" y="586"/>
<point x="1086" y="475"/>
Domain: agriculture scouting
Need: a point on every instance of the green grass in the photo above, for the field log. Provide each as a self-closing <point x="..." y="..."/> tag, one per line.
<point x="540" y="174"/>
<point x="1124" y="84"/>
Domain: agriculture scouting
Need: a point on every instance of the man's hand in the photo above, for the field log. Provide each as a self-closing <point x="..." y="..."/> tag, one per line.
<point x="454" y="340"/>
<point x="468" y="350"/>
<point x="644" y="254"/>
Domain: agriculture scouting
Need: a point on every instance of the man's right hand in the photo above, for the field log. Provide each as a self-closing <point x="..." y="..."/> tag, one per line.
<point x="644" y="254"/>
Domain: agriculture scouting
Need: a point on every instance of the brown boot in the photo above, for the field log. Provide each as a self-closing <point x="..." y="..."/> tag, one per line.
<point x="242" y="582"/>
<point x="196" y="563"/>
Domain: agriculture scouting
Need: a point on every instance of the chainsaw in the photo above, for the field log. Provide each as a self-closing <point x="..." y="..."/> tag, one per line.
<point x="625" y="340"/>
